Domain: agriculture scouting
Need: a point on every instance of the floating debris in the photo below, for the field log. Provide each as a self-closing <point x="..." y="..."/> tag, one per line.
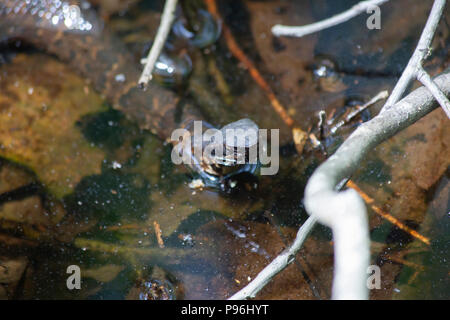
<point x="196" y="184"/>
<point x="120" y="77"/>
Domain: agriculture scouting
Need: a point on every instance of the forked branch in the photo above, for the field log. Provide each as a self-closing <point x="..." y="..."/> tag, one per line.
<point x="300" y="31"/>
<point x="345" y="212"/>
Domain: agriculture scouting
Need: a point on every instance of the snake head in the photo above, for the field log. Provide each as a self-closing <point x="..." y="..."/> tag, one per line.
<point x="217" y="154"/>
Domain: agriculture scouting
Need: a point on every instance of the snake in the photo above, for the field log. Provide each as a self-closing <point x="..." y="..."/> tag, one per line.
<point x="74" y="33"/>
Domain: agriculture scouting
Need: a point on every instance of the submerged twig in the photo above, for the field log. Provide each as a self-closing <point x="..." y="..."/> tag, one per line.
<point x="300" y="31"/>
<point x="387" y="216"/>
<point x="158" y="234"/>
<point x="167" y="18"/>
<point x="426" y="80"/>
<point x="381" y="95"/>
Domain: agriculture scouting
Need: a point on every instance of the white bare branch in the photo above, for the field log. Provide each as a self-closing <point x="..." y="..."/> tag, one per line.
<point x="414" y="66"/>
<point x="167" y="18"/>
<point x="300" y="31"/>
<point x="345" y="211"/>
<point x="381" y="95"/>
<point x="426" y="80"/>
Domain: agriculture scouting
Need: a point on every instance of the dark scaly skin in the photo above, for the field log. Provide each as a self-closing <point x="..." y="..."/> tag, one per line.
<point x="97" y="55"/>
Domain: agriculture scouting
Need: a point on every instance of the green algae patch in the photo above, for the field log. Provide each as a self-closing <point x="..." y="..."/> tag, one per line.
<point x="41" y="101"/>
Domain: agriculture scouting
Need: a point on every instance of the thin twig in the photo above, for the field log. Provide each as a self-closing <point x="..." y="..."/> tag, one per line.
<point x="277" y="265"/>
<point x="280" y="30"/>
<point x="381" y="95"/>
<point x="414" y="68"/>
<point x="386" y="215"/>
<point x="421" y="52"/>
<point x="167" y="18"/>
<point x="426" y="80"/>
